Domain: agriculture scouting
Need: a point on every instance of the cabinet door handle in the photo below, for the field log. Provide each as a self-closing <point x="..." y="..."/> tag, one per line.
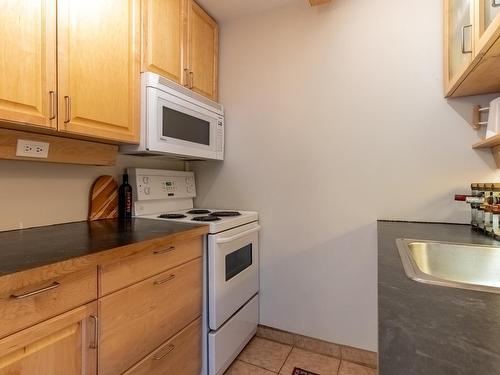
<point x="464" y="51"/>
<point x="494" y="3"/>
<point x="191" y="75"/>
<point x="164" y="251"/>
<point x="169" y="350"/>
<point x="67" y="101"/>
<point x="54" y="285"/>
<point x="186" y="77"/>
<point x="93" y="344"/>
<point x="52" y="99"/>
<point x="164" y="281"/>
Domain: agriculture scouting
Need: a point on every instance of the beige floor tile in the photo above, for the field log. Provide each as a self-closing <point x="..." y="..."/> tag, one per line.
<point x="349" y="368"/>
<point x="317" y="346"/>
<point x="243" y="368"/>
<point x="265" y="354"/>
<point x="320" y="364"/>
<point x="360" y="356"/>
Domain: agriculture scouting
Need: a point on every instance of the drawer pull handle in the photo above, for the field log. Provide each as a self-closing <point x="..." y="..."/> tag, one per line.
<point x="164" y="281"/>
<point x="164" y="251"/>
<point x="167" y="352"/>
<point x="93" y="345"/>
<point x="67" y="115"/>
<point x="52" y="96"/>
<point x="54" y="285"/>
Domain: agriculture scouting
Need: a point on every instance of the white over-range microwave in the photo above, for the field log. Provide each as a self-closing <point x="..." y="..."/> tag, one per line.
<point x="177" y="122"/>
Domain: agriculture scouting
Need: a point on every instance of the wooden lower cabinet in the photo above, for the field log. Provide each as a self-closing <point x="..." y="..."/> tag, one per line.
<point x="62" y="345"/>
<point x="137" y="320"/>
<point x="180" y="355"/>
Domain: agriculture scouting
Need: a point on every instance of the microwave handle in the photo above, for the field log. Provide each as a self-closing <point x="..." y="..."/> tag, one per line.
<point x="234" y="238"/>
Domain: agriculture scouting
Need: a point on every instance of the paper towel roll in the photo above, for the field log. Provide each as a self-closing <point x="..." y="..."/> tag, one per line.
<point x="493" y="118"/>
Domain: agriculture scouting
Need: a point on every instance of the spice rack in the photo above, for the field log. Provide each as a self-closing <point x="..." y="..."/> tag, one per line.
<point x="492" y="143"/>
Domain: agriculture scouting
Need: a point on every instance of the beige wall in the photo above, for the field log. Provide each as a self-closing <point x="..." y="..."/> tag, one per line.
<point x="335" y="118"/>
<point x="34" y="194"/>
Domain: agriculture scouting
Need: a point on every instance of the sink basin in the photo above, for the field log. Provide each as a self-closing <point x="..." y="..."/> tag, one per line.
<point x="465" y="266"/>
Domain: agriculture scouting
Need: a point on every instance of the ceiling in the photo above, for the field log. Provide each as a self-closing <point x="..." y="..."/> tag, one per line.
<point x="224" y="10"/>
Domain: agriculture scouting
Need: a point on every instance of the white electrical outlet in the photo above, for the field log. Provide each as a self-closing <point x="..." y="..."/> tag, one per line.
<point x="32" y="149"/>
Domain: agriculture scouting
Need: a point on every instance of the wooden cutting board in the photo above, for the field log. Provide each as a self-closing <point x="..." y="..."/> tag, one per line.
<point x="103" y="199"/>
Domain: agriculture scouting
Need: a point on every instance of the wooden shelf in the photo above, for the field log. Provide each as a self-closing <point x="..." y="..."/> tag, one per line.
<point x="488" y="143"/>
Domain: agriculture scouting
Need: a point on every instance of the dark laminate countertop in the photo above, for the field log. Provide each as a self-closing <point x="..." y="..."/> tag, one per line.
<point x="432" y="330"/>
<point x="25" y="249"/>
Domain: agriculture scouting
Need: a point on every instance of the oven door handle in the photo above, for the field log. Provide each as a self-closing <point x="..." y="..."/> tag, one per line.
<point x="234" y="238"/>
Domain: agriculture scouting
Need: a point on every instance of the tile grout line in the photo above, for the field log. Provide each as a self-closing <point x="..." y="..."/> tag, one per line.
<point x="254" y="365"/>
<point x="340" y="364"/>
<point x="286" y="359"/>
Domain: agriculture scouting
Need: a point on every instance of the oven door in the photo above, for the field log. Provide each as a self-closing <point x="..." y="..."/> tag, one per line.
<point x="233" y="271"/>
<point x="177" y="126"/>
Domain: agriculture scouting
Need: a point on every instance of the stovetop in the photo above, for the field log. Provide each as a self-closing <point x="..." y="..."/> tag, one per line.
<point x="218" y="220"/>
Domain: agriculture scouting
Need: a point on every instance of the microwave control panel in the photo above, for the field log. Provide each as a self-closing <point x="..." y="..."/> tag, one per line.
<point x="158" y="184"/>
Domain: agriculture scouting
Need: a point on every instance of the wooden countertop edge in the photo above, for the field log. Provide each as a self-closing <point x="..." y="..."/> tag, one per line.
<point x="20" y="279"/>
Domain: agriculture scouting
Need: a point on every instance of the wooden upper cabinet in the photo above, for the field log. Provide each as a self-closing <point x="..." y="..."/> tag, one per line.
<point x="459" y="40"/>
<point x="28" y="61"/>
<point x="98" y="68"/>
<point x="487" y="23"/>
<point x="203" y="51"/>
<point x="472" y="47"/>
<point x="62" y="345"/>
<point x="181" y="42"/>
<point x="164" y="38"/>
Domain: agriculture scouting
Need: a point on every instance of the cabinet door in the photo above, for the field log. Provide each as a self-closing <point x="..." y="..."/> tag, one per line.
<point x="459" y="39"/>
<point x="62" y="345"/>
<point x="98" y="68"/>
<point x="487" y="24"/>
<point x="164" y="38"/>
<point x="27" y="61"/>
<point x="203" y="51"/>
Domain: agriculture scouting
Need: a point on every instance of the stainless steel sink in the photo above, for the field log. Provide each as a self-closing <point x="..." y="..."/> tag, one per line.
<point x="455" y="265"/>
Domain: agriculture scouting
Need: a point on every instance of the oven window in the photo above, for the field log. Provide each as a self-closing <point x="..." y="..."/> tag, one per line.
<point x="238" y="261"/>
<point x="181" y="126"/>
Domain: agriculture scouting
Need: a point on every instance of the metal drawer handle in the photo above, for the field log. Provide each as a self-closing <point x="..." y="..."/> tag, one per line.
<point x="191" y="74"/>
<point x="234" y="238"/>
<point x="164" y="281"/>
<point x="167" y="352"/>
<point x="186" y="77"/>
<point x="54" y="285"/>
<point x="494" y="3"/>
<point x="464" y="51"/>
<point x="167" y="250"/>
<point x="52" y="97"/>
<point x="67" y="100"/>
<point x="93" y="345"/>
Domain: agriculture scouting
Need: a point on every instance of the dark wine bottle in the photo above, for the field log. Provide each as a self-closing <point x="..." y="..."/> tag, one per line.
<point x="125" y="199"/>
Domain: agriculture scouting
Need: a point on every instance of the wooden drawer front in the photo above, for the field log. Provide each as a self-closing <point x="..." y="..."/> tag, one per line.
<point x="44" y="299"/>
<point x="138" y="319"/>
<point x="149" y="262"/>
<point x="179" y="355"/>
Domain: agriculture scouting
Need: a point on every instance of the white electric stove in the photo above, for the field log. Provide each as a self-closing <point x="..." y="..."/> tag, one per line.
<point x="231" y="259"/>
<point x="217" y="219"/>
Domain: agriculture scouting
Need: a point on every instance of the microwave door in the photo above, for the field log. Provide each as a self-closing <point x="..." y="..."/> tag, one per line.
<point x="184" y="127"/>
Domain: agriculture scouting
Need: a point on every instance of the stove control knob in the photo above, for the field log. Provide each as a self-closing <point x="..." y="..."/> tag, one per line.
<point x="147" y="191"/>
<point x="145" y="180"/>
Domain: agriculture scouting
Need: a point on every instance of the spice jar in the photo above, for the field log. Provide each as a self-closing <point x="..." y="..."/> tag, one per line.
<point x="495" y="223"/>
<point x="488" y="219"/>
